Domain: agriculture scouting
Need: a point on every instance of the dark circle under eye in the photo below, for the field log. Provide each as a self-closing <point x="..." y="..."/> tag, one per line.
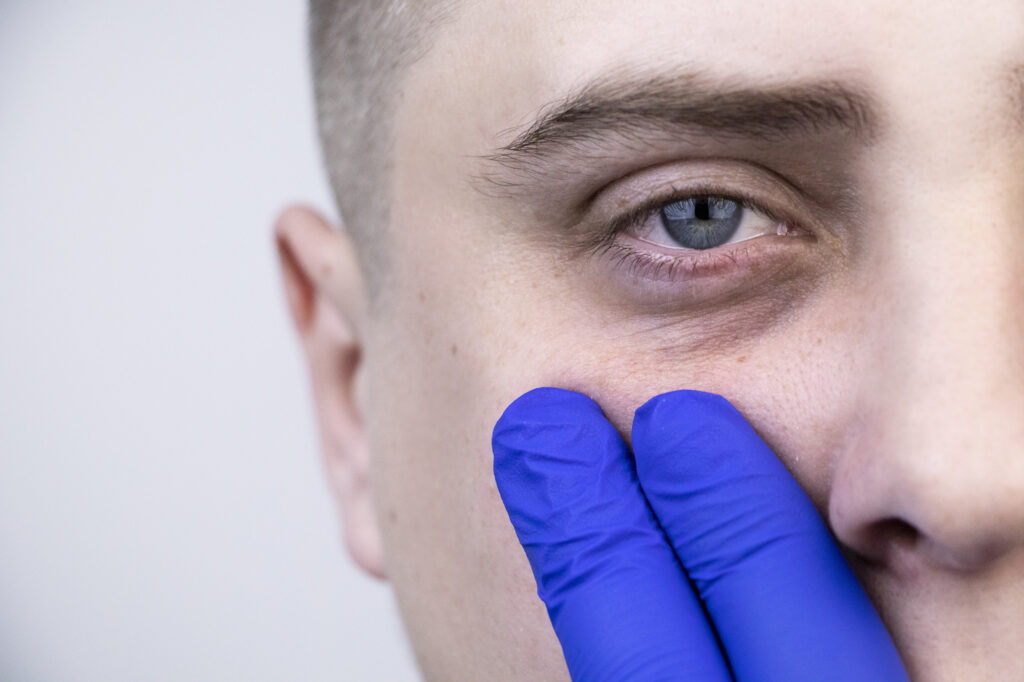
<point x="702" y="222"/>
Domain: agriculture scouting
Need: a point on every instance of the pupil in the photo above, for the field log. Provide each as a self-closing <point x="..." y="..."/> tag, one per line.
<point x="703" y="210"/>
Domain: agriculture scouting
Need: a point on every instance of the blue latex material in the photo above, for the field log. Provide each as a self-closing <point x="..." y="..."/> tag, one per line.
<point x="702" y="559"/>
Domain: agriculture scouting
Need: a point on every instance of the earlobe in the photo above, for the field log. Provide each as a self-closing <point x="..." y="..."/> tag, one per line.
<point x="323" y="286"/>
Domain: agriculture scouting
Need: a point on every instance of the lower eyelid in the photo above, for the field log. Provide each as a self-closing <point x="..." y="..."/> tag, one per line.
<point x="684" y="250"/>
<point x="781" y="230"/>
<point x="652" y="279"/>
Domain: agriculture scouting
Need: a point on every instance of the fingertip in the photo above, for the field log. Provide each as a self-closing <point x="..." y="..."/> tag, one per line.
<point x="543" y="406"/>
<point x="548" y="436"/>
<point x="548" y="397"/>
<point x="682" y="399"/>
<point x="679" y="413"/>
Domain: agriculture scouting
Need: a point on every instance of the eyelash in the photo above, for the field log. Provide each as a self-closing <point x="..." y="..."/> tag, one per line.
<point x="653" y="265"/>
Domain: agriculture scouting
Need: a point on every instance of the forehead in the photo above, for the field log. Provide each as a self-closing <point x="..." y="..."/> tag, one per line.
<point x="500" y="61"/>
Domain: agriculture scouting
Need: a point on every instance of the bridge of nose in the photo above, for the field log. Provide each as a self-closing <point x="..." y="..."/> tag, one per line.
<point x="939" y="441"/>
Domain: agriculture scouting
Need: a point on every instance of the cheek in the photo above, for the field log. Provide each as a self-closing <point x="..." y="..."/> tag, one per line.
<point x="461" y="579"/>
<point x="471" y="358"/>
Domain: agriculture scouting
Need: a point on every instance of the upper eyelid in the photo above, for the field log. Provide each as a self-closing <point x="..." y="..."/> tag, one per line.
<point x="739" y="173"/>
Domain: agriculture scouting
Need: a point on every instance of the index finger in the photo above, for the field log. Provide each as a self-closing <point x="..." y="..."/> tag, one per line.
<point x="778" y="590"/>
<point x="618" y="599"/>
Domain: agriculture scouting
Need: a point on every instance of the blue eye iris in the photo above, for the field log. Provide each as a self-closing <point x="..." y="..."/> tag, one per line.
<point x="702" y="222"/>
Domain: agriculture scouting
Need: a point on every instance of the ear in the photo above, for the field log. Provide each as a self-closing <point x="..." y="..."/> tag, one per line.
<point x="324" y="288"/>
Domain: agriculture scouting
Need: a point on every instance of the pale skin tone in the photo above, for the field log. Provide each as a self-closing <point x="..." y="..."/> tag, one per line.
<point x="878" y="349"/>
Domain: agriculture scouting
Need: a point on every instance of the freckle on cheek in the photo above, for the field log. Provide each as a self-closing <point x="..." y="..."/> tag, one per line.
<point x="455" y="349"/>
<point x="742" y="358"/>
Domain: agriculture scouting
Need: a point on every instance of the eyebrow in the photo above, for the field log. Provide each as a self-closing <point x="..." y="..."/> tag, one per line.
<point x="634" y="110"/>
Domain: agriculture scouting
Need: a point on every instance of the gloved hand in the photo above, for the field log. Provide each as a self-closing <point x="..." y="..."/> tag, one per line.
<point x="694" y="557"/>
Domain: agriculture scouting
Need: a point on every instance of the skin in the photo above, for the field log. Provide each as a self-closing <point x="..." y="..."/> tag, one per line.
<point x="881" y="360"/>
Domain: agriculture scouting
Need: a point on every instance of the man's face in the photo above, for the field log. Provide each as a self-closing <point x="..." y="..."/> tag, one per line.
<point x="876" y="344"/>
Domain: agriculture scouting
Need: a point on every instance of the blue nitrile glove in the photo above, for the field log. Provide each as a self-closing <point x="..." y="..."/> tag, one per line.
<point x="641" y="563"/>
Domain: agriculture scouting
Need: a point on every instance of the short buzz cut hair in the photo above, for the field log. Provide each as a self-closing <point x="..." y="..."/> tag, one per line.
<point x="359" y="52"/>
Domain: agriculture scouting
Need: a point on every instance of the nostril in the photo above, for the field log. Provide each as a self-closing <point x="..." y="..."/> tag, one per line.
<point x="879" y="541"/>
<point x="892" y="536"/>
<point x="896" y="531"/>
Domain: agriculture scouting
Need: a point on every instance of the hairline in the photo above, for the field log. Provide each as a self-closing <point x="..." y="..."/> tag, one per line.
<point x="360" y="52"/>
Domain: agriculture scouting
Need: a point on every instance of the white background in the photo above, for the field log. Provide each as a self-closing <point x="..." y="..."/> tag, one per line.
<point x="162" y="511"/>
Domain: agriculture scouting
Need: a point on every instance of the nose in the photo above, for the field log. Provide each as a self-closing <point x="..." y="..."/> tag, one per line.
<point x="932" y="470"/>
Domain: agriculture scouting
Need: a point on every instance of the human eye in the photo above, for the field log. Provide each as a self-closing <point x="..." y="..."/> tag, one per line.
<point x="707" y="221"/>
<point x="708" y="226"/>
<point x="690" y="234"/>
